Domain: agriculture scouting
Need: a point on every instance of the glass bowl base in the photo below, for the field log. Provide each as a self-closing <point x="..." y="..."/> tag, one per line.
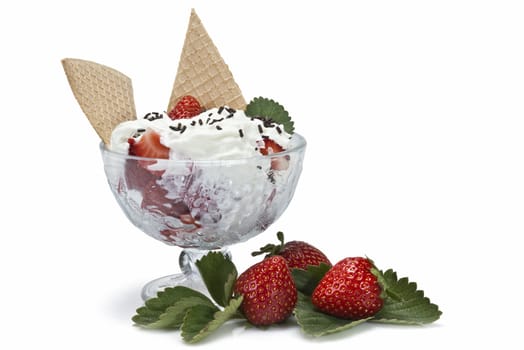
<point x="190" y="276"/>
<point x="195" y="282"/>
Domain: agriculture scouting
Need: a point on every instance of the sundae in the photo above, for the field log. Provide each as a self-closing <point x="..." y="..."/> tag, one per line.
<point x="208" y="171"/>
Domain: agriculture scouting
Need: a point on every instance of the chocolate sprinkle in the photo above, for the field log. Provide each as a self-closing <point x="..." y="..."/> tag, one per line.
<point x="193" y="123"/>
<point x="219" y="127"/>
<point x="200" y="122"/>
<point x="179" y="127"/>
<point x="230" y="115"/>
<point x="215" y="121"/>
<point x="153" y="116"/>
<point x="279" y="130"/>
<point x="260" y="130"/>
<point x="230" y="110"/>
<point x="220" y="109"/>
<point x="241" y="133"/>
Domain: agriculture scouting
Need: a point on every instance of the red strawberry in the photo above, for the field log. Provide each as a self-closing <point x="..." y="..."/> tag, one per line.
<point x="349" y="290"/>
<point x="271" y="147"/>
<point x="269" y="291"/>
<point x="298" y="254"/>
<point x="186" y="107"/>
<point x="148" y="146"/>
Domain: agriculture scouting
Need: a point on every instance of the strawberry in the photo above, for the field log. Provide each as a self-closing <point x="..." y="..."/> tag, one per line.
<point x="271" y="147"/>
<point x="349" y="290"/>
<point x="148" y="146"/>
<point x="269" y="291"/>
<point x="186" y="107"/>
<point x="298" y="254"/>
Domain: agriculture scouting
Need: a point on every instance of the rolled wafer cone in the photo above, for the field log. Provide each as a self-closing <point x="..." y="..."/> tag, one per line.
<point x="202" y="73"/>
<point x="104" y="94"/>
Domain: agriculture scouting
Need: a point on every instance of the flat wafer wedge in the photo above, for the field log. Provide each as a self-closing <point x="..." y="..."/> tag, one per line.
<point x="104" y="94"/>
<point x="202" y="73"/>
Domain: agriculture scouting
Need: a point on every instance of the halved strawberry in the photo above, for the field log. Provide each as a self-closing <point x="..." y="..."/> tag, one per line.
<point x="186" y="107"/>
<point x="271" y="147"/>
<point x="148" y="146"/>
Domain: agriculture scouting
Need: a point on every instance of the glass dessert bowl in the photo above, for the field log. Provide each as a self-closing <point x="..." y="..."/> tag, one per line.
<point x="202" y="205"/>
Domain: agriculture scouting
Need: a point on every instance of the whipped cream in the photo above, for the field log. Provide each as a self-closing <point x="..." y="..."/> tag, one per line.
<point x="216" y="134"/>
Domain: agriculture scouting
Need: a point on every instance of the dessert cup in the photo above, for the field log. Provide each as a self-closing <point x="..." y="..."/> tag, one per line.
<point x="202" y="205"/>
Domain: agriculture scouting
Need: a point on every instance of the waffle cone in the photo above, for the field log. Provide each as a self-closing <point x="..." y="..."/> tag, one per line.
<point x="202" y="73"/>
<point x="104" y="94"/>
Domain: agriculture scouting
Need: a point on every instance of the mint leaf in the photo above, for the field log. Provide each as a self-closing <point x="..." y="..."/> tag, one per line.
<point x="403" y="303"/>
<point x="316" y="323"/>
<point x="152" y="314"/>
<point x="269" y="110"/>
<point x="200" y="321"/>
<point x="219" y="274"/>
<point x="307" y="280"/>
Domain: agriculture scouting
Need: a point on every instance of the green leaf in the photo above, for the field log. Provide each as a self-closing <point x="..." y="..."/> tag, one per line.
<point x="152" y="314"/>
<point x="174" y="315"/>
<point x="269" y="110"/>
<point x="316" y="323"/>
<point x="219" y="274"/>
<point x="403" y="303"/>
<point x="200" y="321"/>
<point x="307" y="280"/>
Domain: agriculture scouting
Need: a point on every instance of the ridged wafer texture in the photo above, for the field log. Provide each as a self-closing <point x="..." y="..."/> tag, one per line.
<point x="202" y="73"/>
<point x="104" y="94"/>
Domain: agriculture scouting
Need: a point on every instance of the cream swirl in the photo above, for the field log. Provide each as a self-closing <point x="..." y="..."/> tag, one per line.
<point x="218" y="133"/>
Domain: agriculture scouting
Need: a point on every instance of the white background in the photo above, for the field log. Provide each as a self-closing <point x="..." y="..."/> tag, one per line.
<point x="413" y="111"/>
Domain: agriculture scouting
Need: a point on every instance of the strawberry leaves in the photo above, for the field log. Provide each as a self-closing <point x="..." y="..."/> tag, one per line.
<point x="307" y="280"/>
<point x="219" y="275"/>
<point x="191" y="311"/>
<point x="403" y="303"/>
<point x="168" y="309"/>
<point x="201" y="321"/>
<point x="316" y="323"/>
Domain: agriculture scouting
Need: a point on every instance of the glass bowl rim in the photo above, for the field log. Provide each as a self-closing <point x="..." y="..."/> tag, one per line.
<point x="301" y="144"/>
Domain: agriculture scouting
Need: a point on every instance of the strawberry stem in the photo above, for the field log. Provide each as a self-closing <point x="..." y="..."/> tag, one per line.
<point x="271" y="249"/>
